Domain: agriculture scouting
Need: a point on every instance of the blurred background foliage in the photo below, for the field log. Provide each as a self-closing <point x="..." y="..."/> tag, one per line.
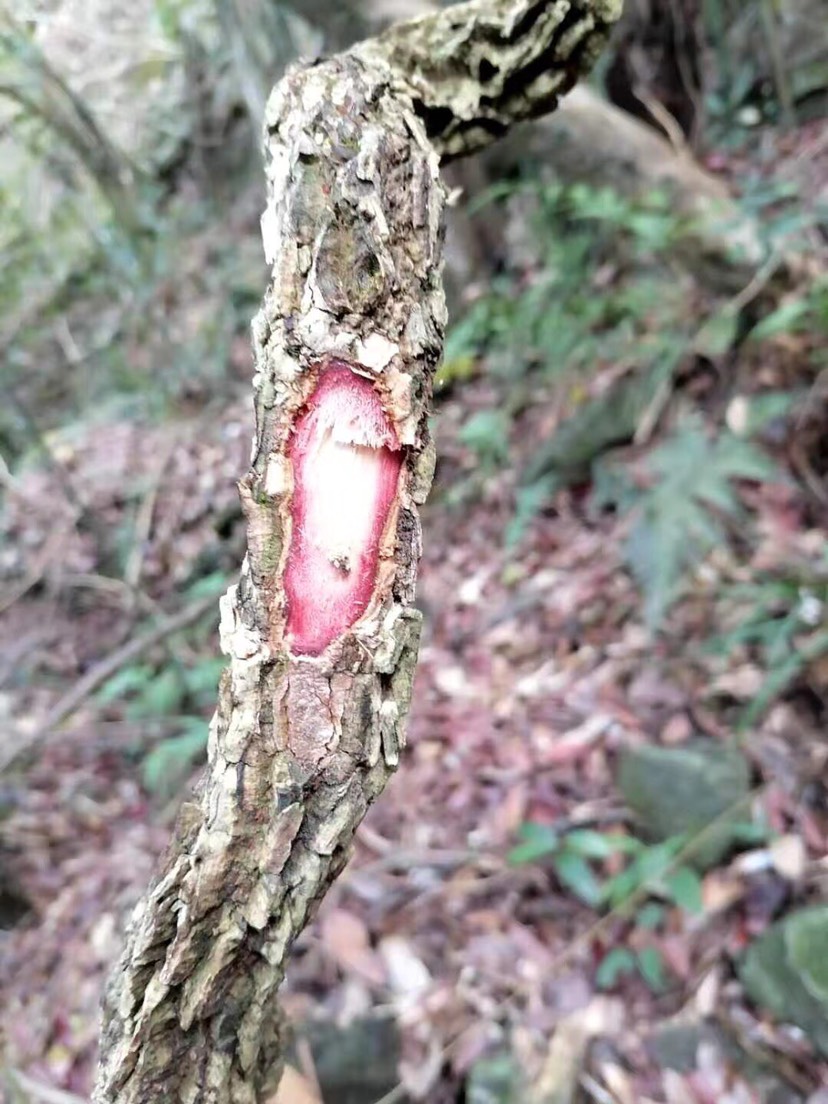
<point x="639" y="305"/>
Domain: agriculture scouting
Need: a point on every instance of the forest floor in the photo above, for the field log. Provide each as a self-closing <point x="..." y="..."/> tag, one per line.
<point x="537" y="675"/>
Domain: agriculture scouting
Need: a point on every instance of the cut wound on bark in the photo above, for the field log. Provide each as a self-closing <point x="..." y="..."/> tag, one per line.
<point x="346" y="464"/>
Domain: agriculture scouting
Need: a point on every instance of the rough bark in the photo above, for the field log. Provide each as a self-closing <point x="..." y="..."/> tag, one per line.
<point x="474" y="70"/>
<point x="301" y="744"/>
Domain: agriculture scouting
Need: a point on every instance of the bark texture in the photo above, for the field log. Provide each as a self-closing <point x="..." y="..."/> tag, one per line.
<point x="473" y="70"/>
<point x="302" y="744"/>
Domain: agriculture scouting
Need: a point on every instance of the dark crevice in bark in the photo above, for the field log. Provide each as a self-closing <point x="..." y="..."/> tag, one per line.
<point x="518" y="81"/>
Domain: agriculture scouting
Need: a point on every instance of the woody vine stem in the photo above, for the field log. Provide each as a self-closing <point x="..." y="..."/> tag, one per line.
<point x="320" y="630"/>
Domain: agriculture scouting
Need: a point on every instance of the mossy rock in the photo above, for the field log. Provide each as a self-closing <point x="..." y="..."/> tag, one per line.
<point x="785" y="972"/>
<point x="495" y="1079"/>
<point x="681" y="790"/>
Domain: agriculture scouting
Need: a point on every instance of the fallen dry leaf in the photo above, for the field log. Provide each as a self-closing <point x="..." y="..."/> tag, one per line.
<point x="345" y="938"/>
<point x="408" y="976"/>
<point x="295" y="1089"/>
<point x="789" y="857"/>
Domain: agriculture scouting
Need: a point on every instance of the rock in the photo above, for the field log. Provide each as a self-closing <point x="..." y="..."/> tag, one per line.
<point x="680" y="790"/>
<point x="356" y="1064"/>
<point x="807" y="942"/>
<point x="680" y="1043"/>
<point x="494" y="1080"/>
<point x="675" y="1046"/>
<point x="785" y="973"/>
<point x="155" y="76"/>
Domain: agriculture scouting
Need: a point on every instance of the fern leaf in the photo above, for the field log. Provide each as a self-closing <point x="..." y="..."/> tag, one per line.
<point x="678" y="519"/>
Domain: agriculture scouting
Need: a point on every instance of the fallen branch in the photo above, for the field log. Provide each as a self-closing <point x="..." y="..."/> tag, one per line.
<point x="321" y="632"/>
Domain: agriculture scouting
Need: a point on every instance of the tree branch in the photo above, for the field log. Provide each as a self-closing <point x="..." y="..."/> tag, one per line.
<point x="474" y="70"/>
<point x="320" y="631"/>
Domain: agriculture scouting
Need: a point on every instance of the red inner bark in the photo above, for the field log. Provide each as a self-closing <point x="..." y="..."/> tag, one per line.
<point x="346" y="463"/>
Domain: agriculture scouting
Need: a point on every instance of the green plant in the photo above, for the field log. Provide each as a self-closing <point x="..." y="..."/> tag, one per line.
<point x="166" y="765"/>
<point x="177" y="693"/>
<point x="782" y="618"/>
<point x="550" y="319"/>
<point x="601" y="290"/>
<point x="783" y="222"/>
<point x="619" y="962"/>
<point x="679" y="502"/>
<point x="575" y="854"/>
<point x="651" y="870"/>
<point x="487" y="433"/>
<point x="804" y="313"/>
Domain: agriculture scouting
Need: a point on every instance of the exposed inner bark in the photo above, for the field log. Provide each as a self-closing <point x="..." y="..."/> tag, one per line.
<point x="346" y="464"/>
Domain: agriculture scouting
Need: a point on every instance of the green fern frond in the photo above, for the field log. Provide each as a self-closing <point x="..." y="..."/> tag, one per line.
<point x="679" y="517"/>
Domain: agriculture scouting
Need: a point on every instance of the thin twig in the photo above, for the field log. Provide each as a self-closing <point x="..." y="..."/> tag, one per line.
<point x="134" y="648"/>
<point x="770" y="29"/>
<point x="308" y="1066"/>
<point x="143" y="519"/>
<point x="418" y="858"/>
<point x="45" y="1093"/>
<point x="669" y="123"/>
<point x="597" y="1092"/>
<point x="757" y="284"/>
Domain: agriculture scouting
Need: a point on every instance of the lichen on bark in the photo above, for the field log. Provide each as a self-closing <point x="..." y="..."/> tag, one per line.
<point x="301" y="744"/>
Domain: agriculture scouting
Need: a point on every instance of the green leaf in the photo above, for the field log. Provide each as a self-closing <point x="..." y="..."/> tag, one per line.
<point x="599" y="845"/>
<point x="201" y="680"/>
<point x="806" y="939"/>
<point x="494" y="1079"/>
<point x="718" y="334"/>
<point x="651" y="967"/>
<point x="487" y="434"/>
<point x="163" y="768"/>
<point x="764" y="407"/>
<point x="466" y="337"/>
<point x="776" y="682"/>
<point x="618" y="889"/>
<point x="538" y="842"/>
<point x="529" y="502"/>
<point x="676" y="793"/>
<point x="594" y="427"/>
<point x="749" y="832"/>
<point x="673" y="526"/>
<point x="127" y="681"/>
<point x="457" y="370"/>
<point x="684" y="887"/>
<point x="214" y="583"/>
<point x="783" y="971"/>
<point x="785" y="319"/>
<point x="617" y="963"/>
<point x="162" y="696"/>
<point x="650" y="916"/>
<point x="575" y="873"/>
<point x="653" y="861"/>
